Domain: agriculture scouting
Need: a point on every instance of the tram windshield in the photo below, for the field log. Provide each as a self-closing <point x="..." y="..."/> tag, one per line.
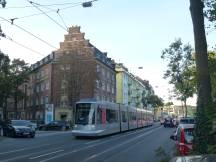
<point x="82" y="113"/>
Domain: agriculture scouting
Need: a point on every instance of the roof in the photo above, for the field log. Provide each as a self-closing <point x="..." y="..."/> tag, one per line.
<point x="186" y="126"/>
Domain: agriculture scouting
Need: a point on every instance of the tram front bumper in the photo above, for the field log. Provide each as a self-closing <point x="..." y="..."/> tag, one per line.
<point x="87" y="133"/>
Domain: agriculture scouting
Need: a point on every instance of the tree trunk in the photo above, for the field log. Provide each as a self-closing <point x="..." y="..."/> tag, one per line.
<point x="15" y="103"/>
<point x="203" y="78"/>
<point x="5" y="117"/>
<point x="185" y="105"/>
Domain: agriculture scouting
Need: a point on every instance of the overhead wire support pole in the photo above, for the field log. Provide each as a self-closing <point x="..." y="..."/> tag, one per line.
<point x="30" y="33"/>
<point x="34" y="4"/>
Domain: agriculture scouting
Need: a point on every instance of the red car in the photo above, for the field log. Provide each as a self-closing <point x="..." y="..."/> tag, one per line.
<point x="184" y="138"/>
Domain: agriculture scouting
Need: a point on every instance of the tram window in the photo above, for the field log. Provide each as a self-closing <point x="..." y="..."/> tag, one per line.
<point x="111" y="116"/>
<point x="99" y="116"/>
<point x="93" y="118"/>
<point x="82" y="113"/>
<point x="124" y="119"/>
<point x="131" y="116"/>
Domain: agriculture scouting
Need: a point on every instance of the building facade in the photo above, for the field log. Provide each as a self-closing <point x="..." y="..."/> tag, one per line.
<point x="129" y="88"/>
<point x="51" y="86"/>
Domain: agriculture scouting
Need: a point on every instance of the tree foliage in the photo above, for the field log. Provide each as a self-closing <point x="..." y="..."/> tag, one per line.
<point x="19" y="71"/>
<point x="210" y="11"/>
<point x="4" y="81"/>
<point x="155" y="101"/>
<point x="178" y="72"/>
<point x="12" y="75"/>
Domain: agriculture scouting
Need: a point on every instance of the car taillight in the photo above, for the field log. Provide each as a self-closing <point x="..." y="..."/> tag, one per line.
<point x="183" y="149"/>
<point x="182" y="136"/>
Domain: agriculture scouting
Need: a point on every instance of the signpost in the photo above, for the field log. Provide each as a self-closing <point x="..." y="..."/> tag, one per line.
<point x="49" y="113"/>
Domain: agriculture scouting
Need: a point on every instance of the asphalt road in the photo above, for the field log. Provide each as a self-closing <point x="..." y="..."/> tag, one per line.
<point x="133" y="146"/>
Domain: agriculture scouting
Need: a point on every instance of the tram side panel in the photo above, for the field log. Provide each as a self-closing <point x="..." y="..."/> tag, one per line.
<point x="132" y="118"/>
<point x="124" y="118"/>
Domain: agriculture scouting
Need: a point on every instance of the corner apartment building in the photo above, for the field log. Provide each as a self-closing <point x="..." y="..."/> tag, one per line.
<point x="44" y="101"/>
<point x="129" y="88"/>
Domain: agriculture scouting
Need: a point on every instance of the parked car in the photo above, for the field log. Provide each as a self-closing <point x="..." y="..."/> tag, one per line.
<point x="19" y="128"/>
<point x="184" y="138"/>
<point x="195" y="158"/>
<point x="55" y="125"/>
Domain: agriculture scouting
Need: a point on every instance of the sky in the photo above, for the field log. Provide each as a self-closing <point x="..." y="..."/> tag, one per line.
<point x="131" y="32"/>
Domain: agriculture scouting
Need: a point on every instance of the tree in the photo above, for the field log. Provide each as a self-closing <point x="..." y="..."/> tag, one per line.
<point x="19" y="71"/>
<point x="212" y="70"/>
<point x="146" y="93"/>
<point x="180" y="60"/>
<point x="4" y="82"/>
<point x="203" y="77"/>
<point x="155" y="101"/>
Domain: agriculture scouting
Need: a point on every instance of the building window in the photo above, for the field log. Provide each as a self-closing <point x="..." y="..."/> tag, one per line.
<point x="47" y="85"/>
<point x="108" y="74"/>
<point x="41" y="100"/>
<point x="103" y="86"/>
<point x="112" y="77"/>
<point x="98" y="68"/>
<point x="103" y="71"/>
<point x="112" y="89"/>
<point x="108" y="87"/>
<point x="38" y="75"/>
<point x="46" y="99"/>
<point x="38" y="88"/>
<point x="37" y="102"/>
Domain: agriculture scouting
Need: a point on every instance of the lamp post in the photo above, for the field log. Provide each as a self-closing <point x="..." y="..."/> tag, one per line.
<point x="3" y="3"/>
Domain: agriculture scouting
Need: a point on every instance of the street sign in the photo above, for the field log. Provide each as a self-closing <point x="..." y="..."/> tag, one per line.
<point x="49" y="113"/>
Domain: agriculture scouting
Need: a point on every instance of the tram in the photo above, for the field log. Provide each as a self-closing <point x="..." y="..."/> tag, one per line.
<point x="99" y="118"/>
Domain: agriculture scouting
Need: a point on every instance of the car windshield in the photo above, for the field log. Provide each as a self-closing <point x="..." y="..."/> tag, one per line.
<point x="82" y="113"/>
<point x="189" y="136"/>
<point x="19" y="123"/>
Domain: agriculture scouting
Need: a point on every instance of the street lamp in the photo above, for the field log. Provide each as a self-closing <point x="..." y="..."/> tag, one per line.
<point x="87" y="4"/>
<point x="3" y="3"/>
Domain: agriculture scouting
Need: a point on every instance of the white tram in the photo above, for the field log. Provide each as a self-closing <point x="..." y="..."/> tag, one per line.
<point x="98" y="118"/>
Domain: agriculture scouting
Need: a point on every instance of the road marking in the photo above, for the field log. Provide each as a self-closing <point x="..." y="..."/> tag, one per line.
<point x="119" y="145"/>
<point x="87" y="143"/>
<point x="45" y="154"/>
<point x="63" y="154"/>
<point x="25" y="156"/>
<point x="90" y="146"/>
<point x="22" y="149"/>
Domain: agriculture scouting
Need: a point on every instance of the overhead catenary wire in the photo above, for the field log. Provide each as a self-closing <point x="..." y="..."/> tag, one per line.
<point x="55" y="4"/>
<point x="35" y="5"/>
<point x="30" y="33"/>
<point x="56" y="11"/>
<point x="60" y="9"/>
<point x="32" y="50"/>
